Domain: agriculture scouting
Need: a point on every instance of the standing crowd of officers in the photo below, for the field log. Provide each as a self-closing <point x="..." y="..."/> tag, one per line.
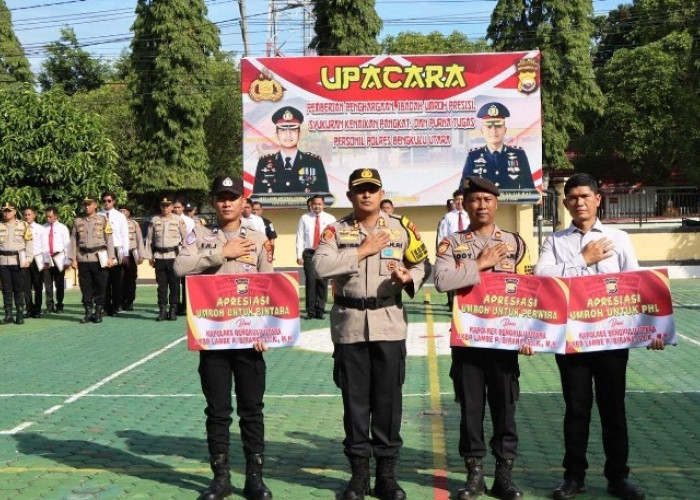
<point x="372" y="256"/>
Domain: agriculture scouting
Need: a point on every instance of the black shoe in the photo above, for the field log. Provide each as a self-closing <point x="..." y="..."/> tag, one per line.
<point x="569" y="489"/>
<point x="320" y="315"/>
<point x="50" y="309"/>
<point x="310" y="315"/>
<point x="626" y="490"/>
<point x="128" y="307"/>
<point x="59" y="308"/>
<point x="8" y="319"/>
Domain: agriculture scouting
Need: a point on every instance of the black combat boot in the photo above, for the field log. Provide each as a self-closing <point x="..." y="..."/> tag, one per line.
<point x="220" y="486"/>
<point x="503" y="486"/>
<point x="385" y="486"/>
<point x="359" y="482"/>
<point x="19" y="317"/>
<point x="99" y="312"/>
<point x="254" y="488"/>
<point x="172" y="313"/>
<point x="8" y="319"/>
<point x="88" y="315"/>
<point x="162" y="312"/>
<point x="475" y="485"/>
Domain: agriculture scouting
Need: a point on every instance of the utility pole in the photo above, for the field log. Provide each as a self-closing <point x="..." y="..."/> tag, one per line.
<point x="244" y="28"/>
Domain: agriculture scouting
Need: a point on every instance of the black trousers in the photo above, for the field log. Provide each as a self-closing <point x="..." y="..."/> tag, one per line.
<point x="248" y="369"/>
<point x="131" y="272"/>
<point x="34" y="283"/>
<point x="13" y="286"/>
<point x="370" y="376"/>
<point x="92" y="279"/>
<point x="168" y="282"/>
<point x="113" y="290"/>
<point x="316" y="288"/>
<point x="481" y="375"/>
<point x="579" y="372"/>
<point x="54" y="277"/>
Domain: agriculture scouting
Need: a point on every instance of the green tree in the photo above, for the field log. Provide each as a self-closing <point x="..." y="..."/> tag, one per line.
<point x="170" y="65"/>
<point x="70" y="67"/>
<point x="562" y="30"/>
<point x="52" y="153"/>
<point x="410" y="42"/>
<point x="223" y="125"/>
<point x="651" y="121"/>
<point x="14" y="66"/>
<point x="346" y="27"/>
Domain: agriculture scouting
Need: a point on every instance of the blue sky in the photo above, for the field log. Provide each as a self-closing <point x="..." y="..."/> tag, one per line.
<point x="104" y="25"/>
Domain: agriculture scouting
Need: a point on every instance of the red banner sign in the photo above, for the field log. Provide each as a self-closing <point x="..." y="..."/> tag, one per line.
<point x="234" y="311"/>
<point x="585" y="314"/>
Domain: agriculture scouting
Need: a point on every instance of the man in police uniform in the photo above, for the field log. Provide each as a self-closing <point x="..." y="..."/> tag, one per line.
<point x="16" y="247"/>
<point x="91" y="252"/>
<point x="230" y="248"/>
<point x="166" y="232"/>
<point x="290" y="170"/>
<point x="506" y="166"/>
<point x="131" y="268"/>
<point x="371" y="257"/>
<point x="479" y="373"/>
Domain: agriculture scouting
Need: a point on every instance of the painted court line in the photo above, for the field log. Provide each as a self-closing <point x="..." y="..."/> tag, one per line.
<point x="94" y="387"/>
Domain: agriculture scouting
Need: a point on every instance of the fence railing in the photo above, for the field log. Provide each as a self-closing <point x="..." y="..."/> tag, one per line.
<point x="645" y="205"/>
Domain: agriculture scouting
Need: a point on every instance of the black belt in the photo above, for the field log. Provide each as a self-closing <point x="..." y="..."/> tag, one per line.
<point x="92" y="249"/>
<point x="166" y="249"/>
<point x="368" y="303"/>
<point x="9" y="253"/>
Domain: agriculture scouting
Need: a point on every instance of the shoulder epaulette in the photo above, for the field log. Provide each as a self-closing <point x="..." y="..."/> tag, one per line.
<point x="313" y="155"/>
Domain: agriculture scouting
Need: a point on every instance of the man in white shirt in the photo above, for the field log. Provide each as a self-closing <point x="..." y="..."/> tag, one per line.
<point x="454" y="221"/>
<point x="33" y="277"/>
<point x="179" y="210"/>
<point x="249" y="219"/>
<point x="309" y="231"/>
<point x="585" y="248"/>
<point x="56" y="240"/>
<point x="120" y="237"/>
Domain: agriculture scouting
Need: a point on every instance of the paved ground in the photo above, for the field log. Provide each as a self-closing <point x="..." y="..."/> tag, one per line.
<point x="114" y="411"/>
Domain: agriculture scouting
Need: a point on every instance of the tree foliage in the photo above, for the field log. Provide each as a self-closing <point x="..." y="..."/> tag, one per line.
<point x="52" y="153"/>
<point x="14" y="66"/>
<point x="222" y="126"/>
<point x="562" y="29"/>
<point x="346" y="27"/>
<point x="410" y="42"/>
<point x="171" y="50"/>
<point x="70" y="67"/>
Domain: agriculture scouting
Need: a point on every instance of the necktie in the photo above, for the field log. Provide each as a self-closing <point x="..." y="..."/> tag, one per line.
<point x="51" y="239"/>
<point x="288" y="163"/>
<point x="460" y="222"/>
<point x="317" y="231"/>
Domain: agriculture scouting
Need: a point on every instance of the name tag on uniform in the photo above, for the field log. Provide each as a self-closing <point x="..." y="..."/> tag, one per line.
<point x="391" y="253"/>
<point x="351" y="235"/>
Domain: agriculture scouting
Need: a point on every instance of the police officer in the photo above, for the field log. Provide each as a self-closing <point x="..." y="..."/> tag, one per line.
<point x="91" y="252"/>
<point x="482" y="374"/>
<point x="290" y="170"/>
<point x="131" y="268"/>
<point x="166" y="232"/>
<point x="371" y="257"/>
<point x="230" y="248"/>
<point x="506" y="166"/>
<point x="15" y="255"/>
<point x="34" y="275"/>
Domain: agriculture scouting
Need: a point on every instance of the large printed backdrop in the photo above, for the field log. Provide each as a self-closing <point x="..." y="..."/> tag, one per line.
<point x="412" y="117"/>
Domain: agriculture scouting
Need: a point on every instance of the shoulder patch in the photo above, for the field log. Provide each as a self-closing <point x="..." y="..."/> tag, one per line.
<point x="328" y="233"/>
<point x="443" y="247"/>
<point x="191" y="238"/>
<point x="269" y="249"/>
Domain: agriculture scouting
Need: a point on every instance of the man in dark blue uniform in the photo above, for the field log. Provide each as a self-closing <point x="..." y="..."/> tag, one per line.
<point x="290" y="170"/>
<point x="506" y="166"/>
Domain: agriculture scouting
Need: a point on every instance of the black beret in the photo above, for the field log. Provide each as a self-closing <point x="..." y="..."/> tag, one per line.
<point x="473" y="184"/>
